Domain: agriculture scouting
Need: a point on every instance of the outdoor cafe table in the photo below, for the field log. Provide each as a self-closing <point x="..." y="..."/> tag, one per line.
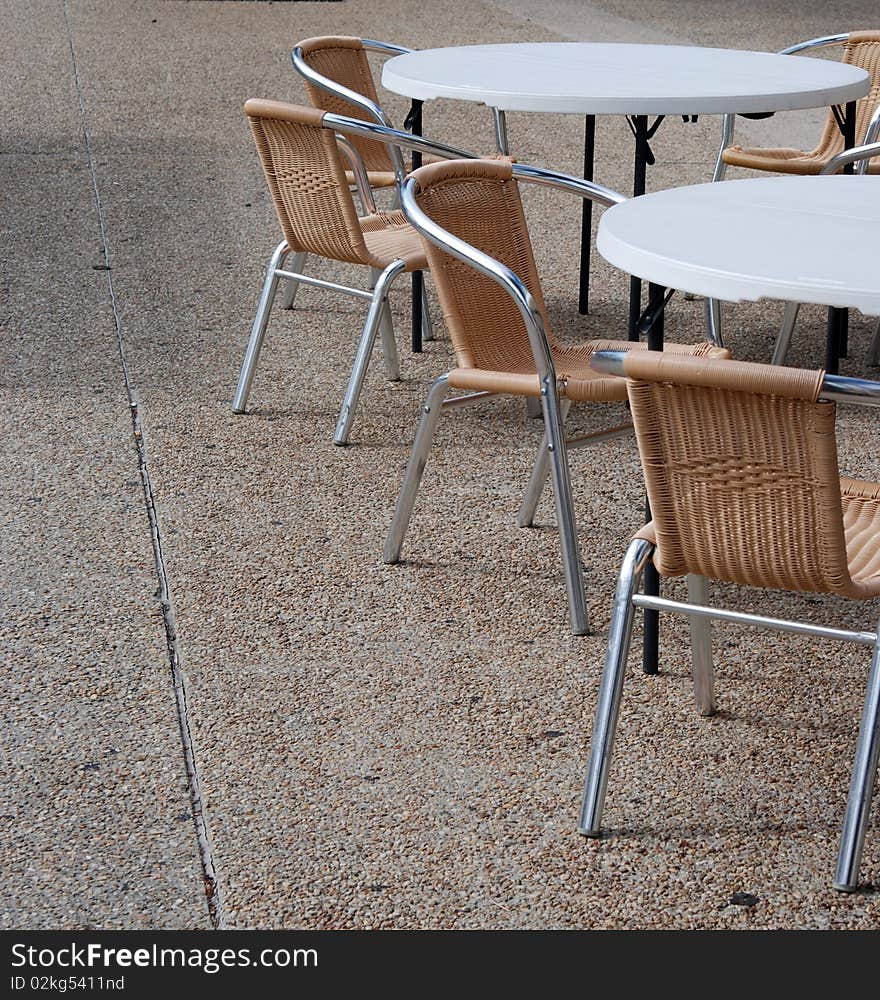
<point x="637" y="81"/>
<point x="797" y="239"/>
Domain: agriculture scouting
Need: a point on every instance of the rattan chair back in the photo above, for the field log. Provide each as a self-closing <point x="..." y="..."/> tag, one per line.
<point x="479" y="202"/>
<point x="306" y="177"/>
<point x="740" y="464"/>
<point x="343" y="59"/>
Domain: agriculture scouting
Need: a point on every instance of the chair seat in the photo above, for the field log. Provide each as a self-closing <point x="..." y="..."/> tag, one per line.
<point x="580" y="382"/>
<point x="784" y="161"/>
<point x="390" y="237"/>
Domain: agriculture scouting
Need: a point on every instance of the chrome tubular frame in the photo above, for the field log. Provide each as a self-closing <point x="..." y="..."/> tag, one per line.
<point x="608" y="707"/>
<point x="872" y="133"/>
<point x="541" y="469"/>
<point x="361" y="181"/>
<point x="377" y="311"/>
<point x="258" y="330"/>
<point x="291" y="286"/>
<point x="499" y="120"/>
<point x="815" y="43"/>
<point x="550" y="393"/>
<point x="699" y="613"/>
<point x="386" y="48"/>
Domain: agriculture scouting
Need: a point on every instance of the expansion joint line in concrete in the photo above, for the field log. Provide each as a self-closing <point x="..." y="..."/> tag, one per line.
<point x="178" y="676"/>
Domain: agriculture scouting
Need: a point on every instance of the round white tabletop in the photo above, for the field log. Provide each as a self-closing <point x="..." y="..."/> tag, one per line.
<point x="799" y="239"/>
<point x="622" y="79"/>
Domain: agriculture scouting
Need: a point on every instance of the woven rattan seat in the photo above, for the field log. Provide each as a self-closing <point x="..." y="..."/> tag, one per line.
<point x="861" y="49"/>
<point x="388" y="236"/>
<point x="477" y="202"/>
<point x="307" y="180"/>
<point x="740" y="463"/>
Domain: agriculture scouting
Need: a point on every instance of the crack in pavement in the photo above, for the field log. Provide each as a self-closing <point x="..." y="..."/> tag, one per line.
<point x="163" y="593"/>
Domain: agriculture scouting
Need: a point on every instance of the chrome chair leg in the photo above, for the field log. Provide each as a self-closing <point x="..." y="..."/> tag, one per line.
<point x="389" y="345"/>
<point x="858" y="804"/>
<point x="364" y="350"/>
<point x="565" y="519"/>
<point x="290" y="286"/>
<point x="608" y="706"/>
<point x="789" y="319"/>
<point x="414" y="469"/>
<point x="713" y="322"/>
<point x="874" y="353"/>
<point x="258" y="330"/>
<point x="537" y="480"/>
<point x="427" y="325"/>
<point x="701" y="647"/>
<point x="386" y="331"/>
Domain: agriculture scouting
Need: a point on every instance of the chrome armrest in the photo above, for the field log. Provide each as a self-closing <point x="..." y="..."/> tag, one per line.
<point x="838" y="388"/>
<point x="815" y="43"/>
<point x="388" y="48"/>
<point x="860" y="153"/>
<point x="565" y="182"/>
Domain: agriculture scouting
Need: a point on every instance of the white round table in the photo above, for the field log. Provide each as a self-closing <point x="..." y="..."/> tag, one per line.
<point x="798" y="239"/>
<point x="594" y="78"/>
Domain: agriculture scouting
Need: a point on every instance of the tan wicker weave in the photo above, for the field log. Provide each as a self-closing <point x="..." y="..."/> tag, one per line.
<point x="862" y="49"/>
<point x="741" y="468"/>
<point x="306" y="177"/>
<point x="342" y="59"/>
<point x="479" y="201"/>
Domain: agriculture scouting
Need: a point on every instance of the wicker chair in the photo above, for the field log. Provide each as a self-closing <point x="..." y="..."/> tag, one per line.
<point x="741" y="469"/>
<point x="304" y="168"/>
<point x="861" y="48"/>
<point x="477" y="243"/>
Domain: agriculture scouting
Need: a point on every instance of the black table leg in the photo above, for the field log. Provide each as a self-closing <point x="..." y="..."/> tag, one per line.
<point x="415" y="122"/>
<point x="641" y="132"/>
<point x="837" y="337"/>
<point x="836" y="331"/>
<point x="651" y="647"/>
<point x="587" y="216"/>
<point x="639" y="124"/>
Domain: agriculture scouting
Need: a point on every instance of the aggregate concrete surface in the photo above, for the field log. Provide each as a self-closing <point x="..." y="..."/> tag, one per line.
<point x="221" y="707"/>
